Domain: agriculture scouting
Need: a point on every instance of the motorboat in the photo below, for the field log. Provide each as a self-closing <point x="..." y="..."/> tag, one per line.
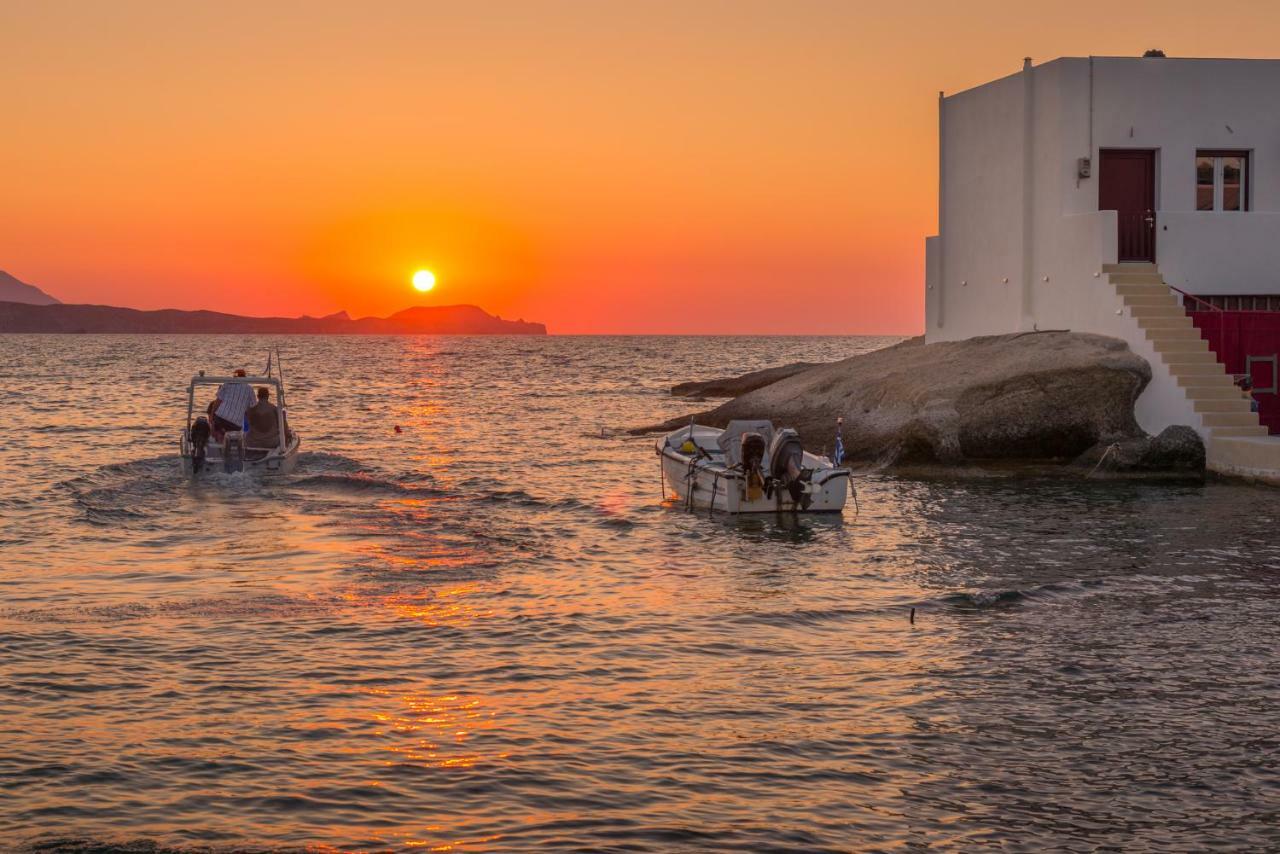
<point x="202" y="450"/>
<point x="749" y="467"/>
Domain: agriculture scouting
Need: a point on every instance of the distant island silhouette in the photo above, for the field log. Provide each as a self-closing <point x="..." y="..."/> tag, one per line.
<point x="13" y="290"/>
<point x="26" y="308"/>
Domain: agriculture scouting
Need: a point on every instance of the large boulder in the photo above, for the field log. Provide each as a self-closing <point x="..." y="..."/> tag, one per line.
<point x="1038" y="395"/>
<point x="1177" y="451"/>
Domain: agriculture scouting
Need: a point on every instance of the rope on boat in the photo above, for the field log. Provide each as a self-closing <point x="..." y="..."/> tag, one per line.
<point x="690" y="481"/>
<point x="1114" y="446"/>
<point x="715" y="483"/>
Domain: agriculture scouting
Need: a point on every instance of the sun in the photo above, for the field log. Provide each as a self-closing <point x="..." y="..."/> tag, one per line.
<point x="424" y="280"/>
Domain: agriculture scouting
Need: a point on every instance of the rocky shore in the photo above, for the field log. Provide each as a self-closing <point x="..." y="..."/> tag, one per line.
<point x="734" y="386"/>
<point x="1057" y="397"/>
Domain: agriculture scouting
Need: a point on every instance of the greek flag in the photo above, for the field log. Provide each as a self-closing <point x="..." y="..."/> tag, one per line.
<point x="838" y="457"/>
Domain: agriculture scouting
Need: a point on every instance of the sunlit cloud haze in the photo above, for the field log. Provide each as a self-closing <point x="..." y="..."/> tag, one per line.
<point x="729" y="167"/>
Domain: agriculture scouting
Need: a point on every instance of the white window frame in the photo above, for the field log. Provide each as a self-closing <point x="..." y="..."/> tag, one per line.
<point x="1219" y="186"/>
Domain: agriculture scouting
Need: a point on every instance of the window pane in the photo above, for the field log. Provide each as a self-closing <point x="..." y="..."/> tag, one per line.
<point x="1232" y="183"/>
<point x="1204" y="183"/>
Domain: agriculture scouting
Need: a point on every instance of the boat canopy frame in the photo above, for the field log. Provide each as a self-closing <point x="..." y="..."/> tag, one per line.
<point x="202" y="380"/>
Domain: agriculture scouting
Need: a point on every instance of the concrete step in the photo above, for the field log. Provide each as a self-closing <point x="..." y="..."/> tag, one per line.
<point x="1251" y="456"/>
<point x="1169" y="309"/>
<point x="1229" y="419"/>
<point x="1166" y="321"/>
<point x="1225" y="432"/>
<point x="1221" y="404"/>
<point x="1165" y="298"/>
<point x="1178" y="358"/>
<point x="1178" y="344"/>
<point x="1129" y="279"/>
<point x="1198" y="370"/>
<point x="1129" y="267"/>
<point x="1206" y="387"/>
<point x="1174" y="332"/>
<point x="1142" y="288"/>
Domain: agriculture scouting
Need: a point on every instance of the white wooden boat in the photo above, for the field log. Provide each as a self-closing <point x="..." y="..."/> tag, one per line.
<point x="202" y="452"/>
<point x="748" y="467"/>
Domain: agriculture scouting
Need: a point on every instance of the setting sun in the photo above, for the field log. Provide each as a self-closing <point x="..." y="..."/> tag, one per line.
<point x="424" y="280"/>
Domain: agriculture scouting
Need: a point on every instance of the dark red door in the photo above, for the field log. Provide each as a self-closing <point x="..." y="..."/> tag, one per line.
<point x="1127" y="185"/>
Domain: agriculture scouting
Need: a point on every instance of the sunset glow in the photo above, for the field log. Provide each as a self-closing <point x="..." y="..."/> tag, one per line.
<point x="590" y="165"/>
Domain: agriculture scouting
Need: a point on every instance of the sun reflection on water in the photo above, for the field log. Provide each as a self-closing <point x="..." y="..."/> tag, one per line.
<point x="437" y="730"/>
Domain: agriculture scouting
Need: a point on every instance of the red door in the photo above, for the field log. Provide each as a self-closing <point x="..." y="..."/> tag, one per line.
<point x="1127" y="185"/>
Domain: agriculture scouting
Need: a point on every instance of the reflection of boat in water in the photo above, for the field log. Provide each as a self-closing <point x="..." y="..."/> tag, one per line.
<point x="748" y="467"/>
<point x="236" y="450"/>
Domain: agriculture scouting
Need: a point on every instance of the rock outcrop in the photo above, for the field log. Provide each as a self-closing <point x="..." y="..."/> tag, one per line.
<point x="734" y="386"/>
<point x="1030" y="396"/>
<point x="1178" y="451"/>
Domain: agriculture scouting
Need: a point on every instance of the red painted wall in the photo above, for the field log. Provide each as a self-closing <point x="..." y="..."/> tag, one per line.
<point x="1236" y="335"/>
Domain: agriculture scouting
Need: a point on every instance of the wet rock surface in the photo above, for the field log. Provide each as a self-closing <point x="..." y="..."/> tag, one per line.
<point x="1177" y="451"/>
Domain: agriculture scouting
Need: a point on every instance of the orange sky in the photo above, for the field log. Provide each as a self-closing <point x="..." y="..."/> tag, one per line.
<point x="602" y="166"/>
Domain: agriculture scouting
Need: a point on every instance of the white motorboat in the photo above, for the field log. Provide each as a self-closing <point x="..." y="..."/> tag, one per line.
<point x="201" y="451"/>
<point x="748" y="467"/>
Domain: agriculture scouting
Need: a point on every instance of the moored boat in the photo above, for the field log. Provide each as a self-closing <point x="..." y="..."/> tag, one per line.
<point x="749" y="467"/>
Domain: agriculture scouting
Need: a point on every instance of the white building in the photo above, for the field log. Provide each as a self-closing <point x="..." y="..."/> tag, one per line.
<point x="1073" y="194"/>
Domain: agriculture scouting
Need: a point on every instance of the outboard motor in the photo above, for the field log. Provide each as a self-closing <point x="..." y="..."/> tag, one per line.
<point x="200" y="432"/>
<point x="233" y="452"/>
<point x="752" y="449"/>
<point x="786" y="465"/>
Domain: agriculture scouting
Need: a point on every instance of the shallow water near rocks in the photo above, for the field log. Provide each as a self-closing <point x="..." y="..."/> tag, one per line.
<point x="488" y="632"/>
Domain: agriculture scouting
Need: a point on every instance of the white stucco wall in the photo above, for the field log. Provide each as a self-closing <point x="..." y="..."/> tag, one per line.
<point x="981" y="212"/>
<point x="1179" y="106"/>
<point x="1221" y="252"/>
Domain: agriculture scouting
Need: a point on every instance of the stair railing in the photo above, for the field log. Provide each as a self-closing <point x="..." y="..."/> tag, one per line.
<point x="1222" y="314"/>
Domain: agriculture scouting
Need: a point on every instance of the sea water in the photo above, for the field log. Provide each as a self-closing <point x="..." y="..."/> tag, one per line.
<point x="488" y="631"/>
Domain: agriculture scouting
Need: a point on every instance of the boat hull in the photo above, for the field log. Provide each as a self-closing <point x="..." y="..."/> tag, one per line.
<point x="704" y="487"/>
<point x="274" y="462"/>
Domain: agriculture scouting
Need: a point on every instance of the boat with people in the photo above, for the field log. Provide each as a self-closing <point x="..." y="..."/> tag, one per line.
<point x="749" y="467"/>
<point x="240" y="428"/>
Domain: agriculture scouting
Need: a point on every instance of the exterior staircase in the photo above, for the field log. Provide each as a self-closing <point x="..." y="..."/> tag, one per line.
<point x="1235" y="442"/>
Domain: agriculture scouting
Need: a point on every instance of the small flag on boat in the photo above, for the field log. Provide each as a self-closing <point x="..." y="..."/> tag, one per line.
<point x="838" y="457"/>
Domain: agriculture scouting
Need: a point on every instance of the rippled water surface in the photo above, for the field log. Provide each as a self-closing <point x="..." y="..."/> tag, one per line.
<point x="487" y="631"/>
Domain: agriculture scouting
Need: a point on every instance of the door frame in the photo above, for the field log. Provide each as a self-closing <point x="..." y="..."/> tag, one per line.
<point x="1153" y="177"/>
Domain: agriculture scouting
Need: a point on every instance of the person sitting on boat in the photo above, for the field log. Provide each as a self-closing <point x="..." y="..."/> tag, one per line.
<point x="264" y="422"/>
<point x="233" y="400"/>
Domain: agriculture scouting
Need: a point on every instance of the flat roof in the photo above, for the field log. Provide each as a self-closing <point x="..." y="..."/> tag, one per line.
<point x="1057" y="59"/>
